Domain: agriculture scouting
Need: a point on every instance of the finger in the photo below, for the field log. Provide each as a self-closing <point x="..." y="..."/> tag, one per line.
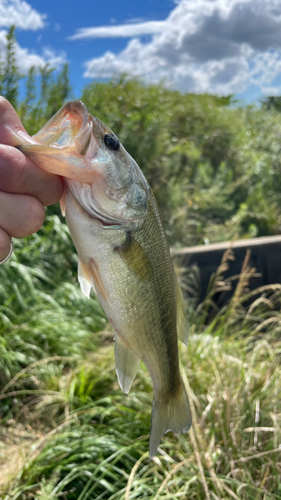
<point x="12" y="131"/>
<point x="20" y="175"/>
<point x="20" y="215"/>
<point x="5" y="242"/>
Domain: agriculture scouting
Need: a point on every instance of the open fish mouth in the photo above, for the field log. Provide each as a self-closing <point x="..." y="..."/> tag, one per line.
<point x="99" y="172"/>
<point x="61" y="146"/>
<point x="72" y="124"/>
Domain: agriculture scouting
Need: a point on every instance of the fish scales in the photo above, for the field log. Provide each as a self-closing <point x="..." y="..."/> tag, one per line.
<point x="139" y="323"/>
<point x="123" y="255"/>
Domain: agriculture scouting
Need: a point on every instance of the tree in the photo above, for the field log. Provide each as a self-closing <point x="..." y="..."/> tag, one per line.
<point x="1" y="74"/>
<point x="272" y="102"/>
<point x="59" y="92"/>
<point x="46" y="80"/>
<point x="26" y="105"/>
<point x="11" y="75"/>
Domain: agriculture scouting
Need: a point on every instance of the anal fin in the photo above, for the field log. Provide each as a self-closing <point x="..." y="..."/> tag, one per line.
<point x="182" y="323"/>
<point x="126" y="363"/>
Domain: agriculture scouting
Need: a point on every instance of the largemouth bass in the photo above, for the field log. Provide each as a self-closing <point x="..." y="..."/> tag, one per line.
<point x="123" y="255"/>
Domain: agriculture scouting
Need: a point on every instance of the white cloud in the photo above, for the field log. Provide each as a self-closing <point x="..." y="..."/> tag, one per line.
<point x="124" y="30"/>
<point x="21" y="14"/>
<point x="27" y="59"/>
<point x="53" y="57"/>
<point x="218" y="46"/>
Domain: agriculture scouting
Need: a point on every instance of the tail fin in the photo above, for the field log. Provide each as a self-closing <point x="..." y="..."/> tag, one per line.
<point x="173" y="415"/>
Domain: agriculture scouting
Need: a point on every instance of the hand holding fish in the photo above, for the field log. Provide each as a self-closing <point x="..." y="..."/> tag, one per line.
<point x="123" y="253"/>
<point x="24" y="188"/>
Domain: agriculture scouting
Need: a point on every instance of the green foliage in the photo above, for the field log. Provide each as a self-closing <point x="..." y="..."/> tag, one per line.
<point x="67" y="430"/>
<point x="97" y="445"/>
<point x="1" y="74"/>
<point x="272" y="102"/>
<point x="58" y="391"/>
<point x="9" y="75"/>
<point x="211" y="164"/>
<point x="165" y="132"/>
<point x="29" y="100"/>
<point x="54" y="92"/>
<point x="42" y="312"/>
<point x="45" y="90"/>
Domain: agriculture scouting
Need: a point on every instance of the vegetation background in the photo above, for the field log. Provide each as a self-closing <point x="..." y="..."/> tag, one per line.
<point x="67" y="431"/>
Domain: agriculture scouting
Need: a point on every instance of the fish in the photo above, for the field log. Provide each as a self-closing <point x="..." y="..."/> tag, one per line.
<point x="123" y="255"/>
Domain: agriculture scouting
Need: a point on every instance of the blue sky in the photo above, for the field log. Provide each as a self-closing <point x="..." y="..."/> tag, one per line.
<point x="217" y="46"/>
<point x="64" y="18"/>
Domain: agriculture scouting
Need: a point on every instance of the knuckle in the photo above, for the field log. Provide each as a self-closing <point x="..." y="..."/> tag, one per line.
<point x="55" y="191"/>
<point x="12" y="164"/>
<point x="34" y="216"/>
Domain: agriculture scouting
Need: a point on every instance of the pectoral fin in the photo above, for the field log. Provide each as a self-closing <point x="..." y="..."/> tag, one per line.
<point x="182" y="323"/>
<point x="99" y="285"/>
<point x="135" y="258"/>
<point x="126" y="363"/>
<point x="89" y="277"/>
<point x="85" y="278"/>
<point x="63" y="203"/>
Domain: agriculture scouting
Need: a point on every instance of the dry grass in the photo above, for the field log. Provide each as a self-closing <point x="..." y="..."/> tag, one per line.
<point x="69" y="432"/>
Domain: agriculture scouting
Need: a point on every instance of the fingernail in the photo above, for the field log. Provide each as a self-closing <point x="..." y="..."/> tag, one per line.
<point x="20" y="137"/>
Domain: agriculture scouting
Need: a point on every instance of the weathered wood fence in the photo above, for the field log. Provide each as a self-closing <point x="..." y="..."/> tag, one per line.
<point x="265" y="257"/>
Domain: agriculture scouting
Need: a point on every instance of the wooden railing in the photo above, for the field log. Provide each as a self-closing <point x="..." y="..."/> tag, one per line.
<point x="265" y="257"/>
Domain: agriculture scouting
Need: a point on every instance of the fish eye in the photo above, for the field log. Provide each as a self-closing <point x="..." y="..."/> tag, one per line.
<point x="111" y="141"/>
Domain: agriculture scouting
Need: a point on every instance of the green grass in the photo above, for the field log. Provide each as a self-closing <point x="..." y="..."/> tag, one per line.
<point x="67" y="430"/>
<point x="97" y="442"/>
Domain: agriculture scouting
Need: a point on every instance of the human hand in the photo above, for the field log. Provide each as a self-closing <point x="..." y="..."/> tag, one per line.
<point x="24" y="187"/>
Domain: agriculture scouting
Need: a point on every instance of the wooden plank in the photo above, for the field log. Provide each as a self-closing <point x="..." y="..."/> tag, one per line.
<point x="265" y="257"/>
